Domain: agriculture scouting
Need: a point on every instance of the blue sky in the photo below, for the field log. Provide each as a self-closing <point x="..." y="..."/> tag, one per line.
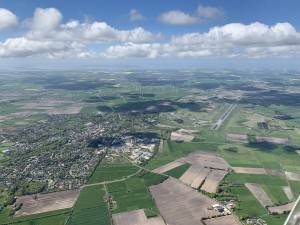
<point x="148" y="32"/>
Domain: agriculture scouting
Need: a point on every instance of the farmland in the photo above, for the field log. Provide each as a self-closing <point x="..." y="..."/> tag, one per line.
<point x="88" y="130"/>
<point x="90" y="207"/>
<point x="132" y="194"/>
<point x="33" y="204"/>
<point x="109" y="172"/>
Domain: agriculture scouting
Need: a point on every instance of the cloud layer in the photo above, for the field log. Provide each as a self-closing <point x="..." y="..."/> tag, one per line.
<point x="48" y="36"/>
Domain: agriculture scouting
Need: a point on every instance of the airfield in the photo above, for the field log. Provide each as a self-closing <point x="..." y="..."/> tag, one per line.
<point x="155" y="147"/>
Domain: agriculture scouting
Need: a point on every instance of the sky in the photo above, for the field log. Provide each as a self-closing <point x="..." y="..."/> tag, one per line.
<point x="149" y="33"/>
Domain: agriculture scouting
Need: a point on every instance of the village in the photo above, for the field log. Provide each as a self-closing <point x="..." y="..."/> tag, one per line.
<point x="64" y="157"/>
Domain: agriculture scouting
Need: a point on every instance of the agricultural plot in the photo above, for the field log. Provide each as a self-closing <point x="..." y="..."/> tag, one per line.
<point x="282" y="208"/>
<point x="212" y="180"/>
<point x="237" y="138"/>
<point x="276" y="187"/>
<point x="90" y="207"/>
<point x="261" y="155"/>
<point x="248" y="206"/>
<point x="276" y="194"/>
<point x="33" y="204"/>
<point x="108" y="172"/>
<point x="200" y="178"/>
<point x="292" y="176"/>
<point x="190" y="175"/>
<point x="91" y="216"/>
<point x="136" y="217"/>
<point x="289" y="193"/>
<point x="51" y="220"/>
<point x="202" y="166"/>
<point x="260" y="194"/>
<point x="131" y="194"/>
<point x="224" y="220"/>
<point x="90" y="197"/>
<point x="249" y="170"/>
<point x="179" y="204"/>
<point x="169" y="166"/>
<point x="176" y="136"/>
<point x="177" y="150"/>
<point x="178" y="171"/>
<point x="257" y="171"/>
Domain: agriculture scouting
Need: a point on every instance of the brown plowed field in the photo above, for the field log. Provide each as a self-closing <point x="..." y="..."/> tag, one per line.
<point x="292" y="176"/>
<point x="190" y="175"/>
<point x="282" y="208"/>
<point x="212" y="180"/>
<point x="47" y="202"/>
<point x="179" y="204"/>
<point x="200" y="178"/>
<point x="224" y="220"/>
<point x="136" y="217"/>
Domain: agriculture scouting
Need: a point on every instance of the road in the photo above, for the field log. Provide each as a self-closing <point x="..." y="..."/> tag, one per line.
<point x="221" y="120"/>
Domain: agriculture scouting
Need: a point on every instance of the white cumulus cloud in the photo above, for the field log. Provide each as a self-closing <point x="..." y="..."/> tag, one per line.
<point x="177" y="17"/>
<point x="7" y="19"/>
<point x="255" y="40"/>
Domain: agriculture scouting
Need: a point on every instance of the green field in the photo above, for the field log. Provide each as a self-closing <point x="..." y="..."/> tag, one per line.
<point x="261" y="156"/>
<point x="276" y="194"/>
<point x="58" y="217"/>
<point x="178" y="171"/>
<point x="109" y="172"/>
<point x="90" y="197"/>
<point x="52" y="220"/>
<point x="132" y="194"/>
<point x="256" y="178"/>
<point x="91" y="216"/>
<point x="248" y="205"/>
<point x="90" y="207"/>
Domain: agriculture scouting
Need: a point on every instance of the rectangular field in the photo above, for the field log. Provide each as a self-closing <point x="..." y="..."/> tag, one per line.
<point x="178" y="171"/>
<point x="260" y="194"/>
<point x="33" y="204"/>
<point x="292" y="176"/>
<point x="90" y="207"/>
<point x="112" y="172"/>
<point x="136" y="217"/>
<point x="132" y="195"/>
<point x="224" y="220"/>
<point x="189" y="176"/>
<point x="289" y="193"/>
<point x="91" y="216"/>
<point x="212" y="180"/>
<point x="200" y="178"/>
<point x="180" y="204"/>
<point x="90" y="197"/>
<point x="169" y="166"/>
